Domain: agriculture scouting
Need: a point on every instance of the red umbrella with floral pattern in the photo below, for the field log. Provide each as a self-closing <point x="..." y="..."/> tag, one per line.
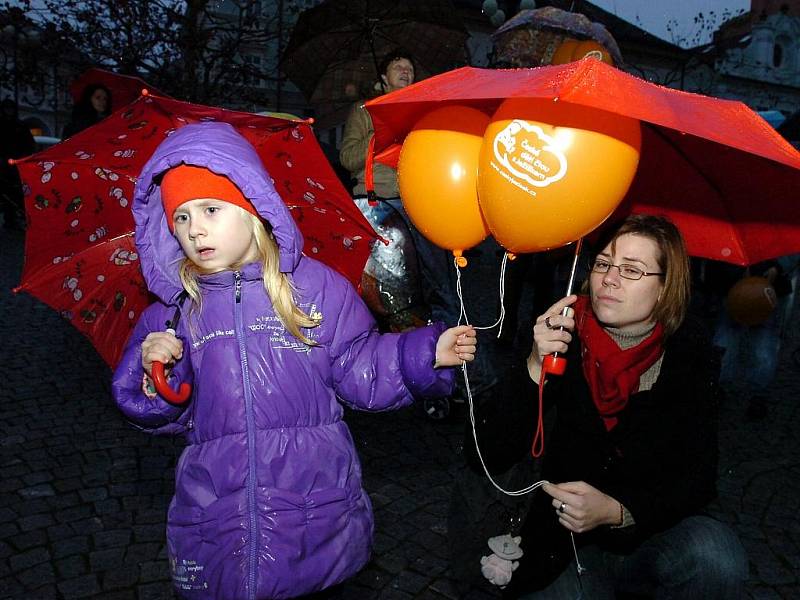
<point x="80" y="256"/>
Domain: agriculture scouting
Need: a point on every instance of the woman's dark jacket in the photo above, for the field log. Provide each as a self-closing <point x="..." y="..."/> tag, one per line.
<point x="660" y="461"/>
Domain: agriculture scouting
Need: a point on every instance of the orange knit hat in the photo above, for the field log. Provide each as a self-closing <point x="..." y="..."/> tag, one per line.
<point x="185" y="182"/>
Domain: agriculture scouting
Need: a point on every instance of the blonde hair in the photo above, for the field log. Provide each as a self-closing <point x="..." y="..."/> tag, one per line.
<point x="277" y="285"/>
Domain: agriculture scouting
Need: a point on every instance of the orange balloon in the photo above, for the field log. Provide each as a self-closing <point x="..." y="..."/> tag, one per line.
<point x="564" y="52"/>
<point x="751" y="301"/>
<point x="571" y="50"/>
<point x="437" y="173"/>
<point x="550" y="172"/>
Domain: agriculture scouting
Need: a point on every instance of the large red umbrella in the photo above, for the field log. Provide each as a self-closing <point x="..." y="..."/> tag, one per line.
<point x="80" y="257"/>
<point x="716" y="168"/>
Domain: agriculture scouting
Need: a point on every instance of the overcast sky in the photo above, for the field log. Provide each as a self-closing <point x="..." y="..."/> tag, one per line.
<point x="655" y="15"/>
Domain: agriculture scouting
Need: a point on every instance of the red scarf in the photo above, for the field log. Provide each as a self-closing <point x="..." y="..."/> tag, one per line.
<point x="611" y="372"/>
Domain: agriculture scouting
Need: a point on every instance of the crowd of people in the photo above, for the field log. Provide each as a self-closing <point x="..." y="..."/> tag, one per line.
<point x="268" y="500"/>
<point x="631" y="451"/>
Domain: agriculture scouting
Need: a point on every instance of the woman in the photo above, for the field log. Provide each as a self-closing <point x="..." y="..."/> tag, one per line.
<point x="94" y="106"/>
<point x="632" y="455"/>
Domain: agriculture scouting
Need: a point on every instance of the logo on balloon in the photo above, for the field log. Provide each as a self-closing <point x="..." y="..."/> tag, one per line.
<point x="550" y="172"/>
<point x="528" y="154"/>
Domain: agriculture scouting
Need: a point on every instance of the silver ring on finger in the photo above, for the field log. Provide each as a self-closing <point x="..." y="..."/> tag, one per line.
<point x="562" y="508"/>
<point x="548" y="324"/>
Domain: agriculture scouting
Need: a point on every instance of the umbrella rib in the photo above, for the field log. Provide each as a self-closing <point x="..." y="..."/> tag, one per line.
<point x="685" y="158"/>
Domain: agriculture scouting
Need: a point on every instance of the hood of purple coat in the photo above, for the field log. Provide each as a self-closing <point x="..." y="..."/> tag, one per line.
<point x="221" y="149"/>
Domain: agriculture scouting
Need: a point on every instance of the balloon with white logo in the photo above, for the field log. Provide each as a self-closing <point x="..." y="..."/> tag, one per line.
<point x="550" y="172"/>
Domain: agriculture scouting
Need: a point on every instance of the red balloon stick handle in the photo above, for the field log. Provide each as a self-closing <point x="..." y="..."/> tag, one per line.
<point x="163" y="388"/>
<point x="553" y="364"/>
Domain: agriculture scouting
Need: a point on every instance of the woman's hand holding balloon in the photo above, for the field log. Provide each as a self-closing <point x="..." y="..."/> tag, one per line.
<point x="548" y="337"/>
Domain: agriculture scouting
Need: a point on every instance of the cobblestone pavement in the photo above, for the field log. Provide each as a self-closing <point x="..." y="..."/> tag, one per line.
<point x="83" y="496"/>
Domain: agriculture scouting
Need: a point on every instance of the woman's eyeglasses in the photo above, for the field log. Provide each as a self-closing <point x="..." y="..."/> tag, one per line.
<point x="625" y="271"/>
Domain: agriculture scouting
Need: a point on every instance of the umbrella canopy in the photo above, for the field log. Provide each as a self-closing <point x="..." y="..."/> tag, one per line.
<point x="80" y="256"/>
<point x="716" y="168"/>
<point x="336" y="46"/>
<point x="124" y="88"/>
<point x="531" y="37"/>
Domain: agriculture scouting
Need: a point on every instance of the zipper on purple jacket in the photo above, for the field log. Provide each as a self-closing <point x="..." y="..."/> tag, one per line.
<point x="252" y="551"/>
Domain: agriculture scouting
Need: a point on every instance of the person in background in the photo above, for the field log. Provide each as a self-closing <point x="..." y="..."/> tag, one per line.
<point x="435" y="264"/>
<point x="631" y="458"/>
<point x="396" y="72"/>
<point x="751" y="352"/>
<point x="268" y="501"/>
<point x="93" y="106"/>
<point x="15" y="142"/>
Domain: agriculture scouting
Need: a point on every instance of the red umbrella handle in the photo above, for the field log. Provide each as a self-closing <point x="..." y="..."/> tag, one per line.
<point x="166" y="392"/>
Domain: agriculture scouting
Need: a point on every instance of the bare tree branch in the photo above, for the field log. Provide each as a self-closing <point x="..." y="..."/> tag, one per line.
<point x="202" y="51"/>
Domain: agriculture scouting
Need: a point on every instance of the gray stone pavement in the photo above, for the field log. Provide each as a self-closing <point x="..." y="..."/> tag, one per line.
<point x="83" y="496"/>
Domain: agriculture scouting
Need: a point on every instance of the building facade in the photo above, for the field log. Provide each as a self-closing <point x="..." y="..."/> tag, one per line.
<point x="758" y="56"/>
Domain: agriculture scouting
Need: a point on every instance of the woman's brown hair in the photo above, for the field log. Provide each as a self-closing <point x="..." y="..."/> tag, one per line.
<point x="673" y="261"/>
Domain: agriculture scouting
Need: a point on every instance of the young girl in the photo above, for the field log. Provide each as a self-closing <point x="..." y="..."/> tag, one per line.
<point x="268" y="500"/>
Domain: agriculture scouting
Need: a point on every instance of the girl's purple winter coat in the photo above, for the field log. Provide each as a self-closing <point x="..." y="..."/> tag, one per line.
<point x="268" y="500"/>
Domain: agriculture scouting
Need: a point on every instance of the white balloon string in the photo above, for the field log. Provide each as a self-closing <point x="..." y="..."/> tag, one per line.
<point x="463" y="314"/>
<point x="534" y="486"/>
<point x="502" y="292"/>
<point x="502" y="317"/>
<point x="520" y="492"/>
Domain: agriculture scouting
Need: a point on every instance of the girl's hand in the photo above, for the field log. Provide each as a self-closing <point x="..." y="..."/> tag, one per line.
<point x="584" y="507"/>
<point x="455" y="346"/>
<point x="547" y="335"/>
<point x="162" y="347"/>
